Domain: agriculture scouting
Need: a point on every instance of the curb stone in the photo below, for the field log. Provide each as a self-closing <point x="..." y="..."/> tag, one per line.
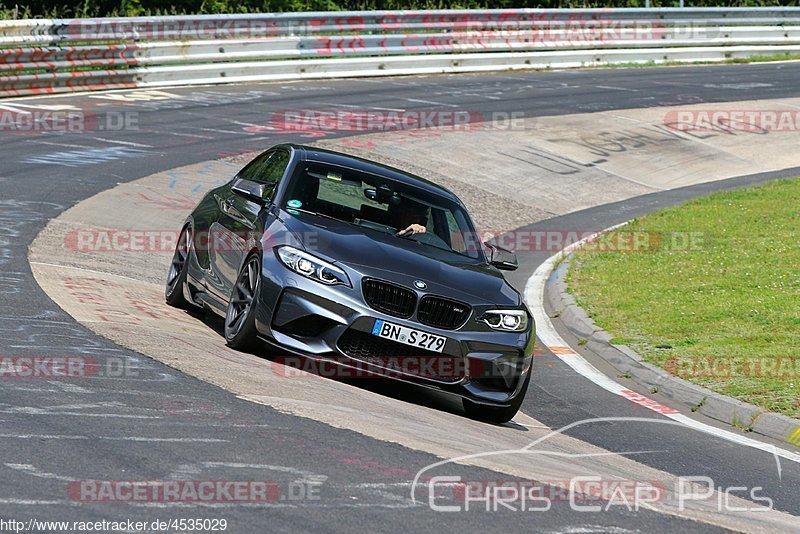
<point x="698" y="399"/>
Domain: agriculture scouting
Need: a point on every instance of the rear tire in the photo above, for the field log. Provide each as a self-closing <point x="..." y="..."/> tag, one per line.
<point x="493" y="414"/>
<point x="178" y="269"/>
<point x="240" y="319"/>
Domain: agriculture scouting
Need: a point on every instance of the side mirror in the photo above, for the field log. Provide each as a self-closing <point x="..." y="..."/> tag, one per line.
<point x="252" y="191"/>
<point x="501" y="258"/>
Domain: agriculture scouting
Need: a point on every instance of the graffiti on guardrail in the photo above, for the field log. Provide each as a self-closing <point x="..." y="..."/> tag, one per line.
<point x="133" y="51"/>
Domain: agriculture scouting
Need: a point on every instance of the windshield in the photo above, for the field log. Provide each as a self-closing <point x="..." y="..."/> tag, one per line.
<point x="381" y="204"/>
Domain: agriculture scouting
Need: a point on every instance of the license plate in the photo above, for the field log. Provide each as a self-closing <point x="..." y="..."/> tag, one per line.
<point x="409" y="336"/>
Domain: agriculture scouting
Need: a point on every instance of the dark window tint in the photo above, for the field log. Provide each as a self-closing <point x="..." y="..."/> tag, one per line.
<point x="381" y="204"/>
<point x="267" y="169"/>
<point x="275" y="167"/>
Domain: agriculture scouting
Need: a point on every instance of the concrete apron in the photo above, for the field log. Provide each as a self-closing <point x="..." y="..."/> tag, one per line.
<point x="548" y="165"/>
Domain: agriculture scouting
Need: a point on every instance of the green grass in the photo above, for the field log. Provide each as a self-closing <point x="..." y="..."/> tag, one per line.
<point x="752" y="59"/>
<point x="765" y="59"/>
<point x="733" y="296"/>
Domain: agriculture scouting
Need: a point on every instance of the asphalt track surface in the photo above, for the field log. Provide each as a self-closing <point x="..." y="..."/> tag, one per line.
<point x="163" y="424"/>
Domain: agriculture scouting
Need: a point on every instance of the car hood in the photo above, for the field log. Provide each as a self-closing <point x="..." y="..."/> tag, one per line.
<point x="375" y="254"/>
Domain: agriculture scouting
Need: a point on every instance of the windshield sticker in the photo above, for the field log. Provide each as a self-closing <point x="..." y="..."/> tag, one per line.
<point x="294" y="204"/>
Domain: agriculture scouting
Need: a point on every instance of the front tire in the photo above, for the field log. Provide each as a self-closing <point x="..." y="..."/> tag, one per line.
<point x="178" y="269"/>
<point x="240" y="319"/>
<point x="495" y="415"/>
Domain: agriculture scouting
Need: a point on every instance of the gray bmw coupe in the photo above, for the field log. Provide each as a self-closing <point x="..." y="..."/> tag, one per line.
<point x="336" y="259"/>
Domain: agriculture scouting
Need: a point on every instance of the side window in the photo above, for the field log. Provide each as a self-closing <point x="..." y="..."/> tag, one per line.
<point x="267" y="169"/>
<point x="455" y="236"/>
<point x="253" y="169"/>
<point x="275" y="167"/>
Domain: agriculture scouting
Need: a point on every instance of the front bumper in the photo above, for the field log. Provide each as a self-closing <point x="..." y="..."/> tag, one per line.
<point x="333" y="324"/>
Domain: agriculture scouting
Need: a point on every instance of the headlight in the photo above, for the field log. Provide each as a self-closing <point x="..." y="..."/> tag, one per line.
<point x="312" y="267"/>
<point x="508" y="320"/>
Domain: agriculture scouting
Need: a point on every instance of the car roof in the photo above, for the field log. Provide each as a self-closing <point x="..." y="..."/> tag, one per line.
<point x="321" y="155"/>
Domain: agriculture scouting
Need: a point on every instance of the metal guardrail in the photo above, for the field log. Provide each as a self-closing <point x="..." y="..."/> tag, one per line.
<point x="49" y="56"/>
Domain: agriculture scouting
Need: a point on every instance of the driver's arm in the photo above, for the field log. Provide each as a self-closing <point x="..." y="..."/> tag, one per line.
<point x="414" y="228"/>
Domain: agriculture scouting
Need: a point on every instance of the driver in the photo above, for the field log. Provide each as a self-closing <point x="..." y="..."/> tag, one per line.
<point x="412" y="217"/>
